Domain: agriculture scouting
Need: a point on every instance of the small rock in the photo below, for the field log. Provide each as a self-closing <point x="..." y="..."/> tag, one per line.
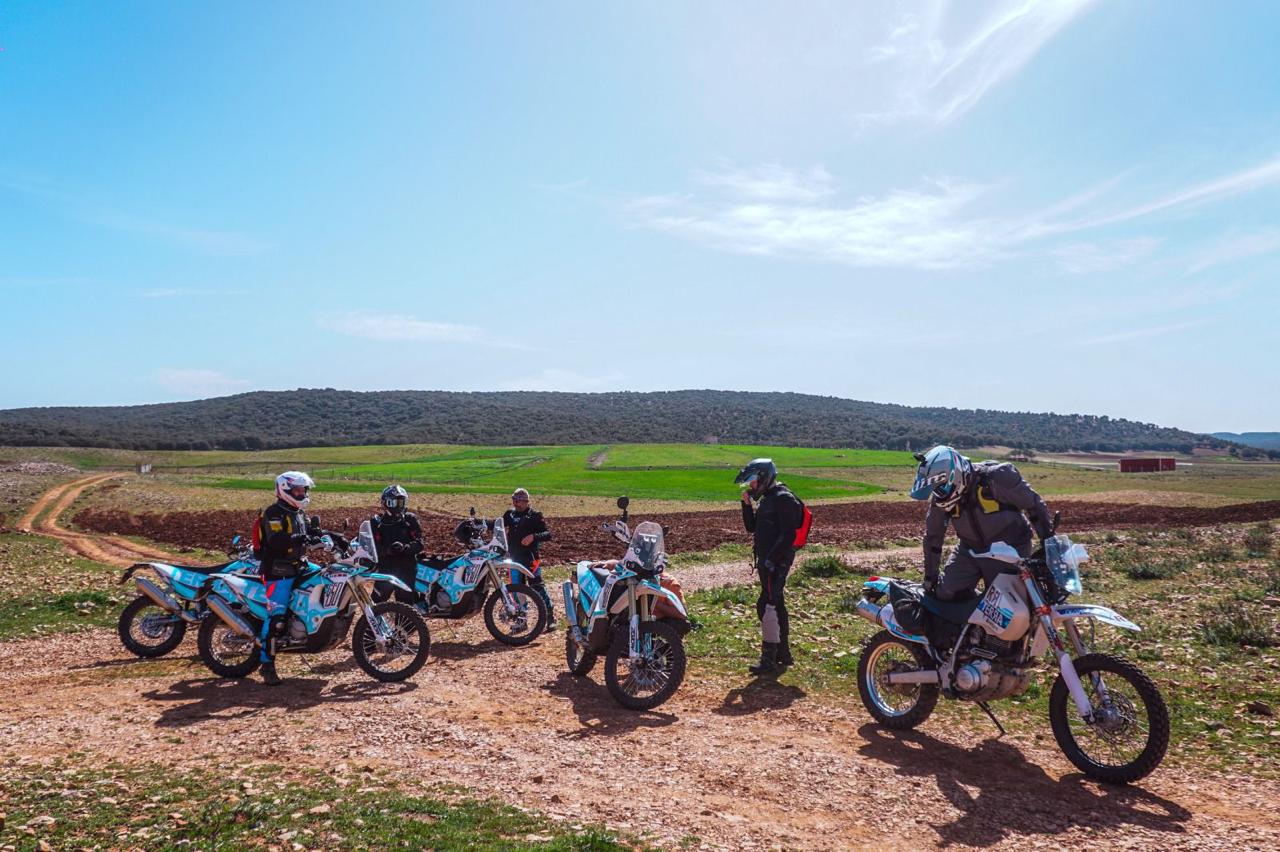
<point x="537" y="779"/>
<point x="320" y="809"/>
<point x="555" y="797"/>
<point x="1260" y="708"/>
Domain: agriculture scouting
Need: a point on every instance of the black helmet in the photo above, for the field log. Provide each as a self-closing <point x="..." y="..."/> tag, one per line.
<point x="758" y="476"/>
<point x="395" y="499"/>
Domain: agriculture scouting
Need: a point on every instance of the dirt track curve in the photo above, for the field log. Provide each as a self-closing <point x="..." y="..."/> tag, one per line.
<point x="108" y="548"/>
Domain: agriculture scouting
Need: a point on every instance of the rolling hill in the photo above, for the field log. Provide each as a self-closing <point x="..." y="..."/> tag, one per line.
<point x="1259" y="440"/>
<point x="327" y="417"/>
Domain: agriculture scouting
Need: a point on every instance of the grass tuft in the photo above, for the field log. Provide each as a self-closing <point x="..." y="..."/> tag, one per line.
<point x="1257" y="541"/>
<point x="1235" y="622"/>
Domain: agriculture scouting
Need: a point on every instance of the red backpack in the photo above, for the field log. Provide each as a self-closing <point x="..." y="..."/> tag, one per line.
<point x="806" y="521"/>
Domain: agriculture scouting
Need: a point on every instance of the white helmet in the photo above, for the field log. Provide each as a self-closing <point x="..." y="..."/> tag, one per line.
<point x="287" y="482"/>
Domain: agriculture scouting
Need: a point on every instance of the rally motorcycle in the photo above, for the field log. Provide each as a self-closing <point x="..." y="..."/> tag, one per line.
<point x="1107" y="715"/>
<point x="620" y="608"/>
<point x="154" y="622"/>
<point x="514" y="613"/>
<point x="390" y="640"/>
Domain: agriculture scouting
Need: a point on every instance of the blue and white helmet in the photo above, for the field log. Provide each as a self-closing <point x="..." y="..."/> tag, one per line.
<point x="288" y="486"/>
<point x="942" y="477"/>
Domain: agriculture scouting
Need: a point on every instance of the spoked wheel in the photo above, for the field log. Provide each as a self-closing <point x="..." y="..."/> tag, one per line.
<point x="406" y="646"/>
<point x="896" y="706"/>
<point x="1129" y="733"/>
<point x="149" y="630"/>
<point x="651" y="678"/>
<point x="579" y="660"/>
<point x="521" y="626"/>
<point x="224" y="651"/>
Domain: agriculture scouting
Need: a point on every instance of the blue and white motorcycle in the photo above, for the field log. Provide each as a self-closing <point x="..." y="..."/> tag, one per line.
<point x="390" y="640"/>
<point x="483" y="578"/>
<point x="155" y="622"/>
<point x="620" y="608"/>
<point x="1107" y="715"/>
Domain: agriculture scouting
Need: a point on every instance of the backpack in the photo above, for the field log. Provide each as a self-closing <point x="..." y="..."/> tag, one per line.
<point x="806" y="522"/>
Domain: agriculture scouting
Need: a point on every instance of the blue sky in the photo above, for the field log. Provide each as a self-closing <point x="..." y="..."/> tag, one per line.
<point x="1065" y="207"/>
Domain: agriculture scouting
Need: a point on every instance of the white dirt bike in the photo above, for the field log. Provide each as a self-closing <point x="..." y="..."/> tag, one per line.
<point x="1106" y="714"/>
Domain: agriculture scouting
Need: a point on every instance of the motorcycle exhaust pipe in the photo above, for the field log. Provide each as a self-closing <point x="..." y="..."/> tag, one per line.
<point x="231" y="618"/>
<point x="571" y="614"/>
<point x="162" y="599"/>
<point x="870" y="611"/>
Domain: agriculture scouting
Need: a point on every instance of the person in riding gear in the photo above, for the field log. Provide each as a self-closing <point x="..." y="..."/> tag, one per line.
<point x="526" y="530"/>
<point x="773" y="523"/>
<point x="280" y="539"/>
<point x="398" y="537"/>
<point x="984" y="503"/>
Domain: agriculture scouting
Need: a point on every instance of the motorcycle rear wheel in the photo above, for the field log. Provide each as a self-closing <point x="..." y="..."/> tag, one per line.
<point x="149" y="630"/>
<point x="1134" y="725"/>
<point x="410" y="638"/>
<point x="580" y="661"/>
<point x="225" y="652"/>
<point x="663" y="668"/>
<point x="886" y="653"/>
<point x="523" y="628"/>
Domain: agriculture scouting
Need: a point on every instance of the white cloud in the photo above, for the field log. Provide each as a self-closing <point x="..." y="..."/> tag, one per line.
<point x="198" y="383"/>
<point x="1233" y="248"/>
<point x="1140" y="333"/>
<point x="1086" y="257"/>
<point x="942" y="64"/>
<point x="374" y="326"/>
<point x="554" y="379"/>
<point x="772" y="182"/>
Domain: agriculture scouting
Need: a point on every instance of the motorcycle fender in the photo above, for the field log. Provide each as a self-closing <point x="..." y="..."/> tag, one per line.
<point x="234" y="582"/>
<point x="1062" y="612"/>
<point x="509" y="565"/>
<point x="385" y="578"/>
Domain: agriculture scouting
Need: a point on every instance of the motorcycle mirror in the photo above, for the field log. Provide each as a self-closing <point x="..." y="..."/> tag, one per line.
<point x="918" y="457"/>
<point x="473" y="511"/>
<point x="624" y="501"/>
<point x="314" y="523"/>
<point x="235" y="541"/>
<point x="346" y="524"/>
<point x="1057" y="519"/>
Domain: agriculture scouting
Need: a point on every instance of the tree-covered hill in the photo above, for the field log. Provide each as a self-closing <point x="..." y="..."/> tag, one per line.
<point x="272" y="419"/>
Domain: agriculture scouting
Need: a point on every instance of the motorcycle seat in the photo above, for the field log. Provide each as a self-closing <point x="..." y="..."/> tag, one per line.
<point x="206" y="569"/>
<point x="439" y="563"/>
<point x="602" y="570"/>
<point x="956" y="612"/>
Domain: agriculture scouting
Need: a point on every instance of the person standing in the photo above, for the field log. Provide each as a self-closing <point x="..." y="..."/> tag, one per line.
<point x="398" y="536"/>
<point x="280" y="542"/>
<point x="526" y="530"/>
<point x="773" y="524"/>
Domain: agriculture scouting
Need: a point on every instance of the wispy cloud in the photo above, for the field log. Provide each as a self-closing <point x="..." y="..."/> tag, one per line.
<point x="188" y="293"/>
<point x="1090" y="257"/>
<point x="936" y="225"/>
<point x="91" y="212"/>
<point x="198" y="382"/>
<point x="554" y="379"/>
<point x="403" y="327"/>
<point x="1234" y="247"/>
<point x="943" y="63"/>
<point x="1140" y="333"/>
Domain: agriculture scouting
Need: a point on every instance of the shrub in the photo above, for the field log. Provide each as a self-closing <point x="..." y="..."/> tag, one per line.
<point x="1218" y="551"/>
<point x="1257" y="541"/>
<point x="1161" y="570"/>
<point x="1238" y="623"/>
<point x="1271" y="585"/>
<point x="1111" y="537"/>
<point x="824" y="566"/>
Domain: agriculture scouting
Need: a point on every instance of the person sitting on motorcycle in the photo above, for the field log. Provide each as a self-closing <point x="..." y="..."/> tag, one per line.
<point x="773" y="525"/>
<point x="398" y="537"/>
<point x="526" y="530"/>
<point x="985" y="503"/>
<point x="280" y="539"/>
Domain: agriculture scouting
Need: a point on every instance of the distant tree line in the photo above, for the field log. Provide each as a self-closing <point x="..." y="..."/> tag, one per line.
<point x="304" y="418"/>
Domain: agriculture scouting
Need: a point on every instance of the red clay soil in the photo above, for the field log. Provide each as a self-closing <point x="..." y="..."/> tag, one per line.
<point x="577" y="538"/>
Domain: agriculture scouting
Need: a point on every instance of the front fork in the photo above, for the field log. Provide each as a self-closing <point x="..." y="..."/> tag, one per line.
<point x="360" y="591"/>
<point x="1065" y="665"/>
<point x="638" y="609"/>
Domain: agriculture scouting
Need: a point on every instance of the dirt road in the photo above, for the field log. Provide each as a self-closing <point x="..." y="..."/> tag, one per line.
<point x="735" y="764"/>
<point x="42" y="518"/>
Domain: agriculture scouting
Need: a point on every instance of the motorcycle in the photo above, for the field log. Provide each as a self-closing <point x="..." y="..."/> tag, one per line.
<point x="620" y="608"/>
<point x="155" y="622"/>
<point x="513" y="612"/>
<point x="1107" y="715"/>
<point x="390" y="641"/>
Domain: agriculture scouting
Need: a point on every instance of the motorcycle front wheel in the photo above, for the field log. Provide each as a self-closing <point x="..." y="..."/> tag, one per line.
<point x="651" y="678"/>
<point x="896" y="706"/>
<point x="224" y="651"/>
<point x="405" y="651"/>
<point x="1129" y="733"/>
<point x="149" y="630"/>
<point x="580" y="661"/>
<point x="525" y="624"/>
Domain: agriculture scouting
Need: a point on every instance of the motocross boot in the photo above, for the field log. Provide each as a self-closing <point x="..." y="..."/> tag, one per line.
<point x="784" y="654"/>
<point x="269" y="676"/>
<point x="768" y="664"/>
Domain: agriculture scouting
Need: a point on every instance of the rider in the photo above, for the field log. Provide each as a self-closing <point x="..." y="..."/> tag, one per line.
<point x="280" y="541"/>
<point x="526" y="530"/>
<point x="985" y="503"/>
<point x="774" y="523"/>
<point x="398" y="536"/>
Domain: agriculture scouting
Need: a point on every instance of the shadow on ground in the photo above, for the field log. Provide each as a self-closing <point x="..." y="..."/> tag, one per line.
<point x="762" y="693"/>
<point x="1000" y="794"/>
<point x="598" y="714"/>
<point x="191" y="702"/>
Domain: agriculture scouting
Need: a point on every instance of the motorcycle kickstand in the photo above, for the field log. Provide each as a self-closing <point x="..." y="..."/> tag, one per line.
<point x="986" y="709"/>
<point x="307" y="663"/>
